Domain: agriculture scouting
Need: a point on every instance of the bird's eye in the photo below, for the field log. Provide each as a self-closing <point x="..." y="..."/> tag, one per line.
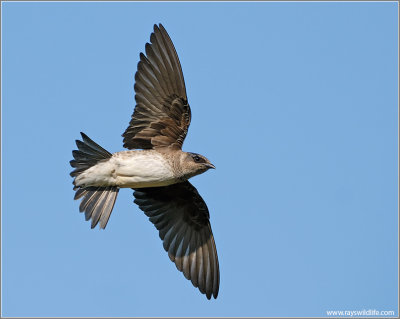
<point x="196" y="158"/>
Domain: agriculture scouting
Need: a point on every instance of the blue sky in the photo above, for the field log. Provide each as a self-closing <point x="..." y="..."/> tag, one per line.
<point x="295" y="103"/>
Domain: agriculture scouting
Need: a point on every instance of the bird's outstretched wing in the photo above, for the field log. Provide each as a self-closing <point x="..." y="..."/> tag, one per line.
<point x="182" y="218"/>
<point x="162" y="114"/>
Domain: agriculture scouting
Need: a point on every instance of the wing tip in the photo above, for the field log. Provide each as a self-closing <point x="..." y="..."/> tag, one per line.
<point x="83" y="135"/>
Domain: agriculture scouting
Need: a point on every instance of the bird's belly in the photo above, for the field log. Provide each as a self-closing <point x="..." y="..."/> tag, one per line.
<point x="131" y="169"/>
<point x="143" y="170"/>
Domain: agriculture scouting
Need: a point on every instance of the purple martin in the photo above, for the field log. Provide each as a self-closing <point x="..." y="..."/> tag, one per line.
<point x="155" y="167"/>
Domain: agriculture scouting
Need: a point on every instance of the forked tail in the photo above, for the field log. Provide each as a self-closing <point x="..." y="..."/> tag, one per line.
<point x="97" y="202"/>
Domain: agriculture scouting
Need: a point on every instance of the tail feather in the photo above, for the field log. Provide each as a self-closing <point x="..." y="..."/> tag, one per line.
<point x="89" y="153"/>
<point x="97" y="202"/>
<point x="108" y="206"/>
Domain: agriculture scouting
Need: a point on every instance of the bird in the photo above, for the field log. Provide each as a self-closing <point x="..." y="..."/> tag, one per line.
<point x="155" y="167"/>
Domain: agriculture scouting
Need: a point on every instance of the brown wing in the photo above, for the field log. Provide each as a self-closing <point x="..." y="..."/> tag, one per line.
<point x="182" y="218"/>
<point x="162" y="113"/>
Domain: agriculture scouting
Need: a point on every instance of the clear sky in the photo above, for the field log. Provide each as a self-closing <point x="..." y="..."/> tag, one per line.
<point x="294" y="103"/>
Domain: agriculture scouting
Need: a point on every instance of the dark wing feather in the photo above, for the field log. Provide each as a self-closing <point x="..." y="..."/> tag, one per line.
<point x="162" y="114"/>
<point x="182" y="218"/>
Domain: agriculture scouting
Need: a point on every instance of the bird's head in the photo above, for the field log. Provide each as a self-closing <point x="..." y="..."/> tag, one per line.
<point x="194" y="164"/>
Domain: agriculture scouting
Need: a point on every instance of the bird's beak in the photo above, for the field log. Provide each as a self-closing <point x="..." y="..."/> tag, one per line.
<point x="209" y="165"/>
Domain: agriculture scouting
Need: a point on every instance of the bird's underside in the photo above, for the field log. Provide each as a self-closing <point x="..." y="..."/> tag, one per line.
<point x="155" y="167"/>
<point x="131" y="169"/>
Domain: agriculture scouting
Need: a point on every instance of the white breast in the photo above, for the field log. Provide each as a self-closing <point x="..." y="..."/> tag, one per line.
<point x="133" y="169"/>
<point x="142" y="169"/>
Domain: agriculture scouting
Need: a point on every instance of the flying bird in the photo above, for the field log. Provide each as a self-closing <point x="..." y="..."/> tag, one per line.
<point x="155" y="167"/>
